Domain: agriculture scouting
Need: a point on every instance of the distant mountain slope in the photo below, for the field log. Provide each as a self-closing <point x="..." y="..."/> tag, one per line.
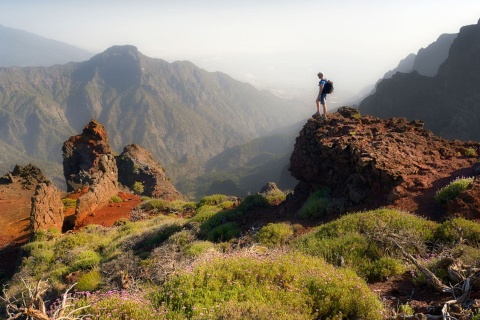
<point x="20" y="48"/>
<point x="182" y="114"/>
<point x="447" y="102"/>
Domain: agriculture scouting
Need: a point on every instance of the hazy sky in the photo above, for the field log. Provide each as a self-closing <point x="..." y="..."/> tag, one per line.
<point x="274" y="43"/>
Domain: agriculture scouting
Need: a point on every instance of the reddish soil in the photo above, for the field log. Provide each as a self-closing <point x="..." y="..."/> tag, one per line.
<point x="15" y="204"/>
<point x="107" y="215"/>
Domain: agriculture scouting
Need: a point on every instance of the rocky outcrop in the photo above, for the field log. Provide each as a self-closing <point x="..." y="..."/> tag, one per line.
<point x="82" y="154"/>
<point x="369" y="162"/>
<point x="136" y="164"/>
<point x="88" y="161"/>
<point x="47" y="208"/>
<point x="29" y="176"/>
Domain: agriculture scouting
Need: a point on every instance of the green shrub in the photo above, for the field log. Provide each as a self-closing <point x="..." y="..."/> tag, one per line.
<point x="205" y="212"/>
<point x="250" y="202"/>
<point x="115" y="199"/>
<point x="471" y="153"/>
<point x="86" y="259"/>
<point x="274" y="234"/>
<point x="291" y="286"/>
<point x="458" y="229"/>
<point x="451" y="191"/>
<point x="138" y="188"/>
<point x="156" y="204"/>
<point x="89" y="281"/>
<point x="213" y="200"/>
<point x="224" y="232"/>
<point x="316" y="204"/>
<point x="69" y="203"/>
<point x="182" y="238"/>
<point x="197" y="248"/>
<point x="275" y="196"/>
<point x="350" y="238"/>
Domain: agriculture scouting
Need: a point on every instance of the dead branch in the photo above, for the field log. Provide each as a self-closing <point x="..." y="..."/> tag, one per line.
<point x="33" y="306"/>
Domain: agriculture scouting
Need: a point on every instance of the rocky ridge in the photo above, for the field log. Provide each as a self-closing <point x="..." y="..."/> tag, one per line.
<point x="370" y="162"/>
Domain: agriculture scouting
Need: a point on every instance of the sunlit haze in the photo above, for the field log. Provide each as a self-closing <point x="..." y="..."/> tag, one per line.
<point x="271" y="44"/>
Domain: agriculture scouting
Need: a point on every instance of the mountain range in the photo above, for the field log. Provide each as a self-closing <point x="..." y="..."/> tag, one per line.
<point x="183" y="114"/>
<point x="20" y="49"/>
<point x="447" y="102"/>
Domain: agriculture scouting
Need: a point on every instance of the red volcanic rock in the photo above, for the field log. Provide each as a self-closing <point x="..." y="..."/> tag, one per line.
<point x="81" y="156"/>
<point x="369" y="162"/>
<point x="136" y="164"/>
<point x="89" y="162"/>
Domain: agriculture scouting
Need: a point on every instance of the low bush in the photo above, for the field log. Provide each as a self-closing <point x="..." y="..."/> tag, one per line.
<point x="224" y="232"/>
<point x="86" y="259"/>
<point x="213" y="200"/>
<point x="115" y="199"/>
<point x="451" y="191"/>
<point x="459" y="229"/>
<point x="274" y="234"/>
<point x="316" y="204"/>
<point x="291" y="286"/>
<point x="356" y="239"/>
<point x="89" y="281"/>
<point x="138" y="188"/>
<point x="69" y="203"/>
<point x="197" y="248"/>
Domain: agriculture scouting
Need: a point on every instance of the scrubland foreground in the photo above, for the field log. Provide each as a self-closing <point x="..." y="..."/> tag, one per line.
<point x="204" y="260"/>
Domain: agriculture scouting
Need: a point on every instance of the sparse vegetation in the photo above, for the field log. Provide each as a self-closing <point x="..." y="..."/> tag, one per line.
<point x="316" y="204"/>
<point x="206" y="265"/>
<point x="138" y="188"/>
<point x="115" y="199"/>
<point x="451" y="191"/>
<point x="471" y="153"/>
<point x="69" y="203"/>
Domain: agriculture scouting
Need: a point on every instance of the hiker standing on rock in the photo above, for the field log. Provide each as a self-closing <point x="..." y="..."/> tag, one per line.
<point x="322" y="96"/>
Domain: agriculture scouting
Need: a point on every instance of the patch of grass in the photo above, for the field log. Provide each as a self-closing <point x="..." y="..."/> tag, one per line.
<point x="89" y="281"/>
<point x="274" y="234"/>
<point x="86" y="259"/>
<point x="213" y="200"/>
<point x="451" y="191"/>
<point x="291" y="286"/>
<point x="69" y="203"/>
<point x="316" y="204"/>
<point x="224" y="232"/>
<point x="197" y="248"/>
<point x="115" y="199"/>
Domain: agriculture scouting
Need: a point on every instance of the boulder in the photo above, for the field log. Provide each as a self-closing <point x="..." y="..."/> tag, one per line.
<point x="47" y="208"/>
<point x="136" y="164"/>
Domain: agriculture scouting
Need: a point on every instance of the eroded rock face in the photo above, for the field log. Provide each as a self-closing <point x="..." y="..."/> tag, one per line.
<point x="136" y="164"/>
<point x="88" y="161"/>
<point x="47" y="208"/>
<point x="81" y="156"/>
<point x="369" y="162"/>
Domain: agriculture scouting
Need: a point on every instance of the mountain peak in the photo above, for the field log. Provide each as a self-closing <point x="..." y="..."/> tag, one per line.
<point x="122" y="50"/>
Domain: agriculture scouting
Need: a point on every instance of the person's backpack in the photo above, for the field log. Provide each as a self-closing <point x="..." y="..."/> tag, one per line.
<point x="328" y="86"/>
